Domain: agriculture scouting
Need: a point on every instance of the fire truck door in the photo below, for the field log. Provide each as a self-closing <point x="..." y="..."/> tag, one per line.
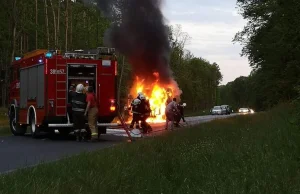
<point x="106" y="88"/>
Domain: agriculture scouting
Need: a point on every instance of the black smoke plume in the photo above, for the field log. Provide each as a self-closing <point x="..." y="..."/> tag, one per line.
<point x="138" y="31"/>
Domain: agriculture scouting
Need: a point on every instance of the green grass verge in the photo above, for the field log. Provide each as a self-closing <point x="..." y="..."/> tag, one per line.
<point x="245" y="154"/>
<point x="4" y="125"/>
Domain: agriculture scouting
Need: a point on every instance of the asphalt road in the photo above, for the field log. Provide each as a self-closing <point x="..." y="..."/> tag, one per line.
<point x="21" y="152"/>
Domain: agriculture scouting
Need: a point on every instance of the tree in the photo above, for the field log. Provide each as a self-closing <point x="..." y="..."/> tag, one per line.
<point x="68" y="24"/>
<point x="271" y="38"/>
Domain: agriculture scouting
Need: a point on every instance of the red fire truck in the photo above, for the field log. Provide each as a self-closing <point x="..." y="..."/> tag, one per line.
<point x="41" y="80"/>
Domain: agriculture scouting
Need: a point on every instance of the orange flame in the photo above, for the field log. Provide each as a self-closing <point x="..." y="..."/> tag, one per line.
<point x="157" y="94"/>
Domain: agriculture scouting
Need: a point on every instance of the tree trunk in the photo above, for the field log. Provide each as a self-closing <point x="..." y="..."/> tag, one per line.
<point x="58" y="26"/>
<point x="97" y="32"/>
<point x="14" y="30"/>
<point x="36" y="24"/>
<point x="27" y="43"/>
<point x="14" y="39"/>
<point x="21" y="44"/>
<point x="47" y="24"/>
<point x="84" y="27"/>
<point x="24" y="43"/>
<point x="67" y="24"/>
<point x="54" y="24"/>
<point x="71" y="26"/>
<point x="88" y="30"/>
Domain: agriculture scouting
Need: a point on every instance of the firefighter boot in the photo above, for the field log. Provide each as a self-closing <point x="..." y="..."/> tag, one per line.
<point x="77" y="135"/>
<point x="84" y="134"/>
<point x="144" y="127"/>
<point x="149" y="127"/>
<point x="89" y="134"/>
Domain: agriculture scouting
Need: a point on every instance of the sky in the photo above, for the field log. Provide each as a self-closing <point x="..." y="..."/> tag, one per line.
<point x="211" y="24"/>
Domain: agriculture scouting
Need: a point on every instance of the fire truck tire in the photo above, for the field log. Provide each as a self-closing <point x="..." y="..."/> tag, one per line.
<point x="15" y="128"/>
<point x="34" y="129"/>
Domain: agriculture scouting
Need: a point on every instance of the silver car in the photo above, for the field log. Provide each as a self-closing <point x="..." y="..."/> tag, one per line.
<point x="218" y="110"/>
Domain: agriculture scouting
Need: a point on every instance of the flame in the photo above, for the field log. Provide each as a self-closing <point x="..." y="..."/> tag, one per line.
<point x="158" y="94"/>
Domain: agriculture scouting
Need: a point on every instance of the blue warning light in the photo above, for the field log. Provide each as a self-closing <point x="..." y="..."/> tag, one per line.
<point x="48" y="55"/>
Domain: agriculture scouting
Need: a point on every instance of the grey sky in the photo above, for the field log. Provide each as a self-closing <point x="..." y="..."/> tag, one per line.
<point x="212" y="25"/>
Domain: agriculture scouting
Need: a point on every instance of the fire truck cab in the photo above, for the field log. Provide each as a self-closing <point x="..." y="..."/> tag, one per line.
<point x="41" y="82"/>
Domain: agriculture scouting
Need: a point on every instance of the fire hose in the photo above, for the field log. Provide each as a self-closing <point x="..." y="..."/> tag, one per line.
<point x="123" y="123"/>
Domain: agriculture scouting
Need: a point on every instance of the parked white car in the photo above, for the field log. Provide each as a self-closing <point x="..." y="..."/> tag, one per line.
<point x="218" y="110"/>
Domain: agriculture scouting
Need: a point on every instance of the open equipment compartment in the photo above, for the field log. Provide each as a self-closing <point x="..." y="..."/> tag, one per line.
<point x="84" y="74"/>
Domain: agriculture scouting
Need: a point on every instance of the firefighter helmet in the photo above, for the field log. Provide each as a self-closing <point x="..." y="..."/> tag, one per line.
<point x="136" y="102"/>
<point x="135" y="133"/>
<point x="142" y="97"/>
<point x="79" y="88"/>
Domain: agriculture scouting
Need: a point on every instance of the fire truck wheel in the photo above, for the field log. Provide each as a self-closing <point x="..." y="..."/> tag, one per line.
<point x="15" y="128"/>
<point x="34" y="129"/>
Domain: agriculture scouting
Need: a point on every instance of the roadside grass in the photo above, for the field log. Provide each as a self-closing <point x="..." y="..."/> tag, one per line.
<point x="245" y="154"/>
<point x="4" y="125"/>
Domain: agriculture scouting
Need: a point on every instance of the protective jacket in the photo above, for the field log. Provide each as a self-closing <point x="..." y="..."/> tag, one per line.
<point x="144" y="107"/>
<point x="180" y="108"/>
<point x="79" y="102"/>
<point x="171" y="107"/>
<point x="70" y="96"/>
<point x="135" y="104"/>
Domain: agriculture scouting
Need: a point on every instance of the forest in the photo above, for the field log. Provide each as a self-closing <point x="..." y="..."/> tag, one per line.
<point x="271" y="42"/>
<point x="66" y="25"/>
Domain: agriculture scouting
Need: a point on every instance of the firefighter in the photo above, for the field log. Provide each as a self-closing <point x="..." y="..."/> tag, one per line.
<point x="180" y="108"/>
<point x="144" y="110"/>
<point x="91" y="110"/>
<point x="179" y="115"/>
<point x="171" y="111"/>
<point x="135" y="105"/>
<point x="78" y="108"/>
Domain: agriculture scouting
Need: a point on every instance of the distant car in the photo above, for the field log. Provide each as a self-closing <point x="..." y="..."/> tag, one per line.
<point x="244" y="110"/>
<point x="217" y="110"/>
<point x="227" y="108"/>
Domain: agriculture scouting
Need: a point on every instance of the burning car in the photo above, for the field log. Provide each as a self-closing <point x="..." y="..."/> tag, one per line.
<point x="158" y="94"/>
<point x="157" y="99"/>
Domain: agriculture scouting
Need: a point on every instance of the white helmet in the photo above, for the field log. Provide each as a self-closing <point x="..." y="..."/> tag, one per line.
<point x="140" y="93"/>
<point x="136" y="101"/>
<point x="142" y="97"/>
<point x="79" y="88"/>
<point x="135" y="133"/>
